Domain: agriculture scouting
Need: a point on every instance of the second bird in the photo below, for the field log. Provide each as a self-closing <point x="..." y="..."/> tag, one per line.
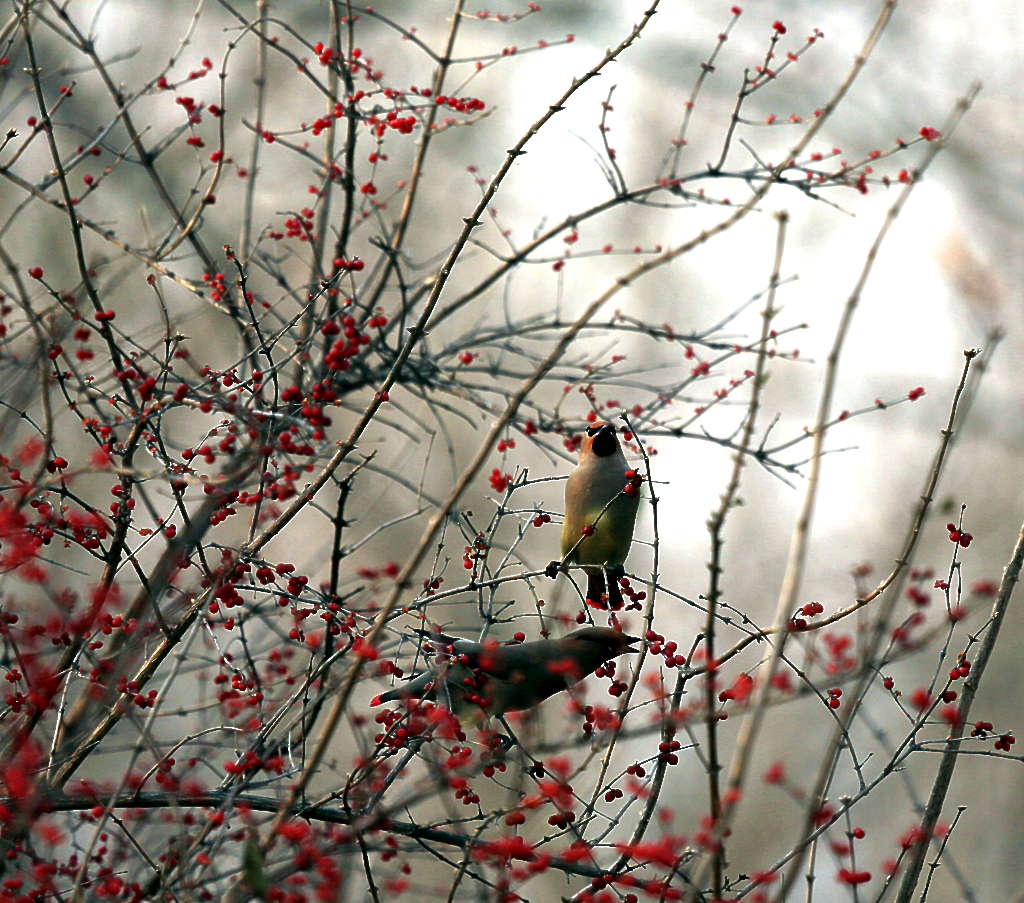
<point x="600" y="478"/>
<point x="479" y="680"/>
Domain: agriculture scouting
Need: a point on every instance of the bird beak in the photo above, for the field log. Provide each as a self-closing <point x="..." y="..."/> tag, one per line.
<point x="628" y="643"/>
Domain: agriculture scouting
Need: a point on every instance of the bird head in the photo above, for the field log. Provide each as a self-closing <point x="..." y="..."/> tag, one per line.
<point x="606" y="640"/>
<point x="600" y="440"/>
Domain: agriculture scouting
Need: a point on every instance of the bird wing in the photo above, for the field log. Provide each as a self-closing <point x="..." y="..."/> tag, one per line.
<point x="425" y="685"/>
<point x="529" y="674"/>
<point x="521" y="690"/>
<point x="411" y="689"/>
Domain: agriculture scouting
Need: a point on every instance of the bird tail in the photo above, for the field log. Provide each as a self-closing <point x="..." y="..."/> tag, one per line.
<point x="416" y="688"/>
<point x="614" y="594"/>
<point x="381" y="698"/>
<point x="596" y="588"/>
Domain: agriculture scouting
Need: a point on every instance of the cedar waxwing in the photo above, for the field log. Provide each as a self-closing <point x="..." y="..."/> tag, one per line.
<point x="481" y="680"/>
<point x="601" y="476"/>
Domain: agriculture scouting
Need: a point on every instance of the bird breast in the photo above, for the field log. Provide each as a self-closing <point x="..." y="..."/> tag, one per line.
<point x="588" y="490"/>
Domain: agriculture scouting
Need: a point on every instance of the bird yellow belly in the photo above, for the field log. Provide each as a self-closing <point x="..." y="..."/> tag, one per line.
<point x="610" y="541"/>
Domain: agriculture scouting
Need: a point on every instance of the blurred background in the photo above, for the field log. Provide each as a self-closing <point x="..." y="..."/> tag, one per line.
<point x="947" y="279"/>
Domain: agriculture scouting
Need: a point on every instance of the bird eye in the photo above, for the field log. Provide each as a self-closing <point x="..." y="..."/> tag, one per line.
<point x="592" y="430"/>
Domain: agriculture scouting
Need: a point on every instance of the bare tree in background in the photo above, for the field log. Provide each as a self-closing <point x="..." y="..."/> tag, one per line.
<point x="283" y="386"/>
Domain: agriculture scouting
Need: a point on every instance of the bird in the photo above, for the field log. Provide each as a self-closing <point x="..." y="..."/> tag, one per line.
<point x="601" y="501"/>
<point x="480" y="680"/>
